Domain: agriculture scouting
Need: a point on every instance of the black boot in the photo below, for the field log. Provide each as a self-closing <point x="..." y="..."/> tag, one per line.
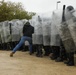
<point x="59" y="59"/>
<point x="56" y="52"/>
<point x="70" y="64"/>
<point x="62" y="55"/>
<point x="39" y="51"/>
<point x="71" y="59"/>
<point x="47" y="50"/>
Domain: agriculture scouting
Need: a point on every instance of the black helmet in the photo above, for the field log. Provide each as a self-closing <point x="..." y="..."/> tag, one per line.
<point x="70" y="8"/>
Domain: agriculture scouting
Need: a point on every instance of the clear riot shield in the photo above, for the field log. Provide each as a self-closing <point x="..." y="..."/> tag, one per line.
<point x="66" y="37"/>
<point x="33" y="23"/>
<point x="46" y="24"/>
<point x="0" y="33"/>
<point x="64" y="31"/>
<point x="20" y="27"/>
<point x="24" y="21"/>
<point x="39" y="36"/>
<point x="34" y="38"/>
<point x="6" y="29"/>
<point x="21" y="24"/>
<point x="55" y="37"/>
<point x="5" y="33"/>
<point x="15" y="31"/>
<point x="72" y="28"/>
<point x="30" y="21"/>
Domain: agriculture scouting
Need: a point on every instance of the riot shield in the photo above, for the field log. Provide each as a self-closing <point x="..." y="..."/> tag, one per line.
<point x="33" y="23"/>
<point x="46" y="27"/>
<point x="38" y="38"/>
<point x="24" y="21"/>
<point x="66" y="37"/>
<point x="65" y="33"/>
<point x="5" y="32"/>
<point x="72" y="28"/>
<point x="20" y="27"/>
<point x="34" y="38"/>
<point x="55" y="37"/>
<point x="15" y="31"/>
<point x="6" y="29"/>
<point x="0" y="33"/>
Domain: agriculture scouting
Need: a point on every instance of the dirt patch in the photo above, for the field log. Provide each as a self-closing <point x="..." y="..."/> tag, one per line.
<point x="24" y="64"/>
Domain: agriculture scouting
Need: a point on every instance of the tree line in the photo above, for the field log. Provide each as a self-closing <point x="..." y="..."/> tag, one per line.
<point x="11" y="10"/>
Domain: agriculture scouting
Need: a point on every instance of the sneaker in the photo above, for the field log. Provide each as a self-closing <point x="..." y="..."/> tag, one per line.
<point x="11" y="54"/>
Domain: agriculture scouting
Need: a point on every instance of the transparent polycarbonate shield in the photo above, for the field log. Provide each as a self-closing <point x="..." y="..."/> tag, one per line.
<point x="33" y="23"/>
<point x="5" y="33"/>
<point x="34" y="38"/>
<point x="39" y="36"/>
<point x="26" y="43"/>
<point x="30" y="21"/>
<point x="66" y="37"/>
<point x="6" y="30"/>
<point x="64" y="32"/>
<point x="21" y="24"/>
<point x="55" y="37"/>
<point x="15" y="31"/>
<point x="0" y="32"/>
<point x="20" y="27"/>
<point x="0" y="39"/>
<point x="46" y="27"/>
<point x="72" y="28"/>
<point x="37" y="23"/>
<point x="24" y="21"/>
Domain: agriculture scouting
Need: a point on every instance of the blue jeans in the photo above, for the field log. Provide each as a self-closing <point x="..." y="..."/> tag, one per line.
<point x="22" y="41"/>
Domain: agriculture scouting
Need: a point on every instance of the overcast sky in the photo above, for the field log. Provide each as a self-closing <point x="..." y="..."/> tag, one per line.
<point x="42" y="6"/>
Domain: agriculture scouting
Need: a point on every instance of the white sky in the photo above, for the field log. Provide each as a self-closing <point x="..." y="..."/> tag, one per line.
<point x="42" y="6"/>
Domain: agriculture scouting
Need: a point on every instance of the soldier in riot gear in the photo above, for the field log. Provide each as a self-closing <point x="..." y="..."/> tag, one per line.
<point x="65" y="34"/>
<point x="70" y="55"/>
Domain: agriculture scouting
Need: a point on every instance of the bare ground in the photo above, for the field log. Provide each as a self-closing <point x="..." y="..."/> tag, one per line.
<point x="24" y="64"/>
